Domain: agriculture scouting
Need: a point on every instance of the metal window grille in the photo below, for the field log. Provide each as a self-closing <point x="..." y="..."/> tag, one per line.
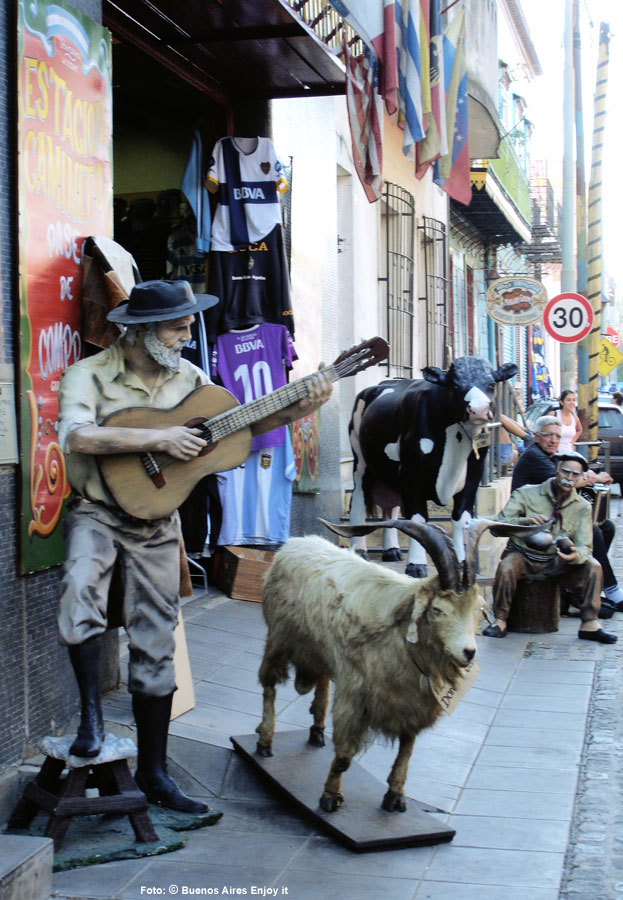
<point x="439" y="337"/>
<point x="398" y="214"/>
<point x="286" y="213"/>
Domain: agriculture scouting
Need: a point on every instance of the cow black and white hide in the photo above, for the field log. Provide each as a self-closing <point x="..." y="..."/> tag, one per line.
<point x="383" y="638"/>
<point x="413" y="441"/>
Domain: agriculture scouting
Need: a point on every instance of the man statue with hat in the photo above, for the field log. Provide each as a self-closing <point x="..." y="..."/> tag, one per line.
<point x="562" y="553"/>
<point x="143" y="367"/>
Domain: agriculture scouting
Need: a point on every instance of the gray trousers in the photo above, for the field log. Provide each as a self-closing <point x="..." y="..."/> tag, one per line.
<point x="148" y="556"/>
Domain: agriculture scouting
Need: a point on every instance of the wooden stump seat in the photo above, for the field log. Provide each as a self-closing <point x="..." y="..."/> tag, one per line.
<point x="536" y="606"/>
<point x="64" y="798"/>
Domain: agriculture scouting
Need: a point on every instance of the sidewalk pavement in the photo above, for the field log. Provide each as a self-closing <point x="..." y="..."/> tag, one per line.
<point x="528" y="768"/>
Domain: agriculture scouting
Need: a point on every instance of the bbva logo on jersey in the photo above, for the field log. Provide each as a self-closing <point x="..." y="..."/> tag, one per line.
<point x="249" y="193"/>
<point x="247" y="346"/>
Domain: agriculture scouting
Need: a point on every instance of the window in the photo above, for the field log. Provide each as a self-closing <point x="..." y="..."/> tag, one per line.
<point x="436" y="295"/>
<point x="398" y="214"/>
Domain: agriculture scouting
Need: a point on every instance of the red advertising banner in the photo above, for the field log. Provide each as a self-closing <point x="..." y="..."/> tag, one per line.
<point x="65" y="195"/>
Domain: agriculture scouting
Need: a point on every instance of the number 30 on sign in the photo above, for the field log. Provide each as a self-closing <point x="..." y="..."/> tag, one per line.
<point x="568" y="318"/>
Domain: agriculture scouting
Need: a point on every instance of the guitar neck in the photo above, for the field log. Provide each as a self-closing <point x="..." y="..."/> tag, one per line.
<point x="233" y="420"/>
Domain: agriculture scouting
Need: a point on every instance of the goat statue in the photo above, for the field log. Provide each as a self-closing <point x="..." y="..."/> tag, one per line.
<point x="382" y="637"/>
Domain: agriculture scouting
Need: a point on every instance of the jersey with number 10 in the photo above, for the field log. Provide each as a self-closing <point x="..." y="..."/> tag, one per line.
<point x="252" y="363"/>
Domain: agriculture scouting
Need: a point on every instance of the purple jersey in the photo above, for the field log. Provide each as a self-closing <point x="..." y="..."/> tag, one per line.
<point x="252" y="363"/>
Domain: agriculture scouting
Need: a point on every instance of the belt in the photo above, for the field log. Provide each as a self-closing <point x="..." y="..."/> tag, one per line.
<point x="117" y="511"/>
<point x="531" y="554"/>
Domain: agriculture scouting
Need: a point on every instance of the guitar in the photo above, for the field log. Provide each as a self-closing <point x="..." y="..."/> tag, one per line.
<point x="150" y="485"/>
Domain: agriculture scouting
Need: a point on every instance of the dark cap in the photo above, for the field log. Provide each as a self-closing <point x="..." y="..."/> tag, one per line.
<point x="571" y="455"/>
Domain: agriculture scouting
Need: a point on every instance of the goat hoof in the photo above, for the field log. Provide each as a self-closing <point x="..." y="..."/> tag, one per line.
<point x="393" y="554"/>
<point x="265" y="750"/>
<point x="362" y="553"/>
<point x="316" y="737"/>
<point x="393" y="802"/>
<point x="416" y="571"/>
<point x="331" y="802"/>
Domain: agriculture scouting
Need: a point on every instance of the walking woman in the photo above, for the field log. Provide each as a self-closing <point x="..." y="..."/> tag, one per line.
<point x="569" y="421"/>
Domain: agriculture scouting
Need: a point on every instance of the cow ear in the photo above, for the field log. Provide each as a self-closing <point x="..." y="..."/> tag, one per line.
<point x="436" y="375"/>
<point x="505" y="372"/>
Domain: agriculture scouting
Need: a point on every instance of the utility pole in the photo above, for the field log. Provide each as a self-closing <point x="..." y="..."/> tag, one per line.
<point x="568" y="280"/>
<point x="594" y="226"/>
<point x="580" y="186"/>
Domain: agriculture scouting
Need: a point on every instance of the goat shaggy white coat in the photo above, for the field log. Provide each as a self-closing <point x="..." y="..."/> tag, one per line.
<point x="382" y="637"/>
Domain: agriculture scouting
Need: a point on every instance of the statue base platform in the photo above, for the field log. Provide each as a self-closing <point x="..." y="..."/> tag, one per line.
<point x="298" y="771"/>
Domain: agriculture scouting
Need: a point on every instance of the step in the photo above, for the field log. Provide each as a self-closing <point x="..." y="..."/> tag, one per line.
<point x="25" y="867"/>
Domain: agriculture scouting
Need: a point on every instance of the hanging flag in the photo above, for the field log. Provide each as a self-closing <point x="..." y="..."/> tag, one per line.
<point x="409" y="58"/>
<point x="435" y="143"/>
<point x="425" y="58"/>
<point x="374" y="22"/>
<point x="451" y="172"/>
<point x="196" y="193"/>
<point x="365" y="116"/>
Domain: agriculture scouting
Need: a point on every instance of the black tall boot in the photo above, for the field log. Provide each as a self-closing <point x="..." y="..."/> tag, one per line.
<point x="85" y="659"/>
<point x="152" y="715"/>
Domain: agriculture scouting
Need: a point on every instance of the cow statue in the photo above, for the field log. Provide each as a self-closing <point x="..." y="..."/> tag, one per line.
<point x="413" y="441"/>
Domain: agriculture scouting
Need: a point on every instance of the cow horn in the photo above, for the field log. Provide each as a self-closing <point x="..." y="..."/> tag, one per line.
<point x="477" y="528"/>
<point x="433" y="538"/>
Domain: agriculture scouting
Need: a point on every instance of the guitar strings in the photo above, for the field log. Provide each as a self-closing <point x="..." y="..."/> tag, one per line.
<point x="249" y="413"/>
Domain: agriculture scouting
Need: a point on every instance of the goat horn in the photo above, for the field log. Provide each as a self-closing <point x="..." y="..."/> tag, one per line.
<point x="433" y="538"/>
<point x="477" y="528"/>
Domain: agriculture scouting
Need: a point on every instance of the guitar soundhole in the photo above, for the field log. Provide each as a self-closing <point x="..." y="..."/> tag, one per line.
<point x="206" y="434"/>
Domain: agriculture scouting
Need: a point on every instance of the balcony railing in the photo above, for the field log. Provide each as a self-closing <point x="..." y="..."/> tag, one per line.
<point x="512" y="178"/>
<point x="328" y="25"/>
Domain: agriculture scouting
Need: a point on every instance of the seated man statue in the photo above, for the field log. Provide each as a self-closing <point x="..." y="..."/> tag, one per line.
<point x="568" y="562"/>
<point x="143" y="368"/>
<point x="535" y="466"/>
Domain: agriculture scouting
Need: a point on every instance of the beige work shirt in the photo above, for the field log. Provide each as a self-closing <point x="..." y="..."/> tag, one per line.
<point x="576" y="517"/>
<point x="93" y="388"/>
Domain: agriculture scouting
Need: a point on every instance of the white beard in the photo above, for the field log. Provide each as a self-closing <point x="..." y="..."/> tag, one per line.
<point x="168" y="357"/>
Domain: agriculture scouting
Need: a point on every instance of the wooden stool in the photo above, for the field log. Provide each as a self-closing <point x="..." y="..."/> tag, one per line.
<point x="65" y="798"/>
<point x="536" y="606"/>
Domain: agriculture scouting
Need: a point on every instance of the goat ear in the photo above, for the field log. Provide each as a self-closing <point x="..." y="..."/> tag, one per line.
<point x="419" y="606"/>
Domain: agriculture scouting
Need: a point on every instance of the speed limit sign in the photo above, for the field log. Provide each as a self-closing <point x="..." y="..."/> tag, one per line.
<point x="568" y="318"/>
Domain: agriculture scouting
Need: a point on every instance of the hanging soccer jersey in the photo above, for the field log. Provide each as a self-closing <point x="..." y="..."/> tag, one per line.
<point x="253" y="285"/>
<point x="257" y="497"/>
<point x="252" y="363"/>
<point x="249" y="185"/>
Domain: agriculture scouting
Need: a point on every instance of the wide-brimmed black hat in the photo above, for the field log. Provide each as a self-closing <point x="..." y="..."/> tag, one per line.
<point x="571" y="455"/>
<point x="160" y="301"/>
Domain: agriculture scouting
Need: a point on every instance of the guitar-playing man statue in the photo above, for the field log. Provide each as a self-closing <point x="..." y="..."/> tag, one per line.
<point x="143" y="368"/>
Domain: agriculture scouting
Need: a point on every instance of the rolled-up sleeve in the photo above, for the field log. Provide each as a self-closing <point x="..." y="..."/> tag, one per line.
<point x="77" y="402"/>
<point x="582" y="533"/>
<point x="515" y="508"/>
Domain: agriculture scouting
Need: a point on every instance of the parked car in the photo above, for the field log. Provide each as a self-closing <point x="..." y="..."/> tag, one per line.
<point x="610" y="428"/>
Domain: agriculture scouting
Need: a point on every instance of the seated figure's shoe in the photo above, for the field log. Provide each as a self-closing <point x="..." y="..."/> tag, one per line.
<point x="601" y="636"/>
<point x="614" y="597"/>
<point x="163" y="791"/>
<point x="494" y="631"/>
<point x="606" y="611"/>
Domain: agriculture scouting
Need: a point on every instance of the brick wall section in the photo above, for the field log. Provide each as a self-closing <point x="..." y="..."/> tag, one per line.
<point x="38" y="693"/>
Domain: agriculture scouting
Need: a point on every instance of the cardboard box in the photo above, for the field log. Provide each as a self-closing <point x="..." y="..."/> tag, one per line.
<point x="242" y="570"/>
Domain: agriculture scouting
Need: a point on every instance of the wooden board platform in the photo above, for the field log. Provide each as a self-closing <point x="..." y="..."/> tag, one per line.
<point x="299" y="771"/>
